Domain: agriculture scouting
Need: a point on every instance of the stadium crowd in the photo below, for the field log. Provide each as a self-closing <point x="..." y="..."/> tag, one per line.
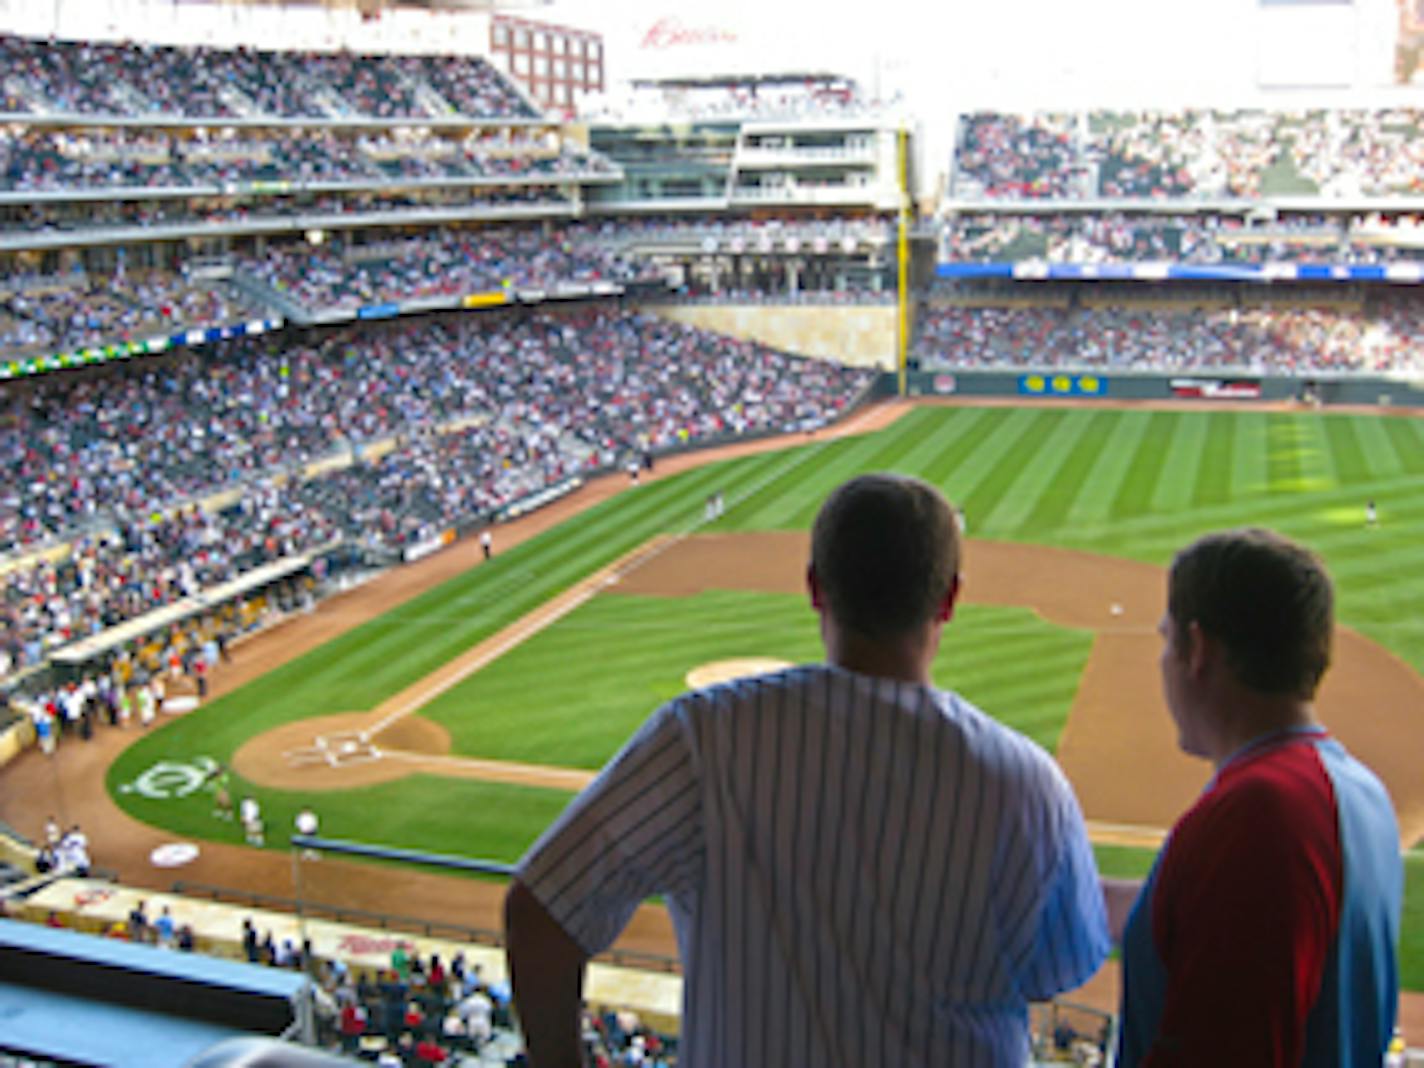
<point x="40" y="313"/>
<point x="135" y="80"/>
<point x="1190" y="153"/>
<point x="308" y="210"/>
<point x="446" y="263"/>
<point x="482" y="410"/>
<point x="1120" y="237"/>
<point x="1262" y="339"/>
<point x="34" y="159"/>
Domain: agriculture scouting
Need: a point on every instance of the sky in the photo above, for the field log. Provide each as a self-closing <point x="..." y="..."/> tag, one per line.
<point x="1024" y="53"/>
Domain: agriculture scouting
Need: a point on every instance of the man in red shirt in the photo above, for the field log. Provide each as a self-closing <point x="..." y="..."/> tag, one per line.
<point x="1266" y="933"/>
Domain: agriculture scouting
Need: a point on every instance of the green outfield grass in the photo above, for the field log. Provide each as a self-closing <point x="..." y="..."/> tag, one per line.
<point x="1129" y="483"/>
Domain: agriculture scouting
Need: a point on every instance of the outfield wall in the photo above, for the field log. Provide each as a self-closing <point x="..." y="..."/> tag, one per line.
<point x="861" y="335"/>
<point x="1184" y="385"/>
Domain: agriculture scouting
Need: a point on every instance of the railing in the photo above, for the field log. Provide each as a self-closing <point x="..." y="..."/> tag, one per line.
<point x="339" y="913"/>
<point x="388" y="921"/>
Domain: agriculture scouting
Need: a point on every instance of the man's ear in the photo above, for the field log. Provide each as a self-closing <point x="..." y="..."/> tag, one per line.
<point x="813" y="588"/>
<point x="1200" y="651"/>
<point x="945" y="612"/>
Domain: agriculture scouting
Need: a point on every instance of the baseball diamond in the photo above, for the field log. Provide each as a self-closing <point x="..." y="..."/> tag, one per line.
<point x="453" y="704"/>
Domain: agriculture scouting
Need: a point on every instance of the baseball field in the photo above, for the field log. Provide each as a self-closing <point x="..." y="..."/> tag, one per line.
<point x="458" y="720"/>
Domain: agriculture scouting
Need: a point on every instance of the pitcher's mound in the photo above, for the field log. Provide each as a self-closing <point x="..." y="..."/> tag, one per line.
<point x="716" y="671"/>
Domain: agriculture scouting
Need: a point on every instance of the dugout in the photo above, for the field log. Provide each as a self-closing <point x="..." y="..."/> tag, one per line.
<point x="73" y="660"/>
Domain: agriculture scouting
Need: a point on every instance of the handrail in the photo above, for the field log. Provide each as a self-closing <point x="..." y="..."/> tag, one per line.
<point x="389" y="921"/>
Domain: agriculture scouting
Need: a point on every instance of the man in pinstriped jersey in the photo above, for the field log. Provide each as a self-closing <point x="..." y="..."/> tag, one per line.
<point x="862" y="869"/>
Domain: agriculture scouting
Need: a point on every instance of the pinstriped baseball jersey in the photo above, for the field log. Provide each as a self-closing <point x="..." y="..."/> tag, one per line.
<point x="860" y="871"/>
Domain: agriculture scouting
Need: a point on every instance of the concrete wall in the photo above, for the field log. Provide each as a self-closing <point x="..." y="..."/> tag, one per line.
<point x="861" y="335"/>
<point x="15" y="738"/>
<point x="1039" y="383"/>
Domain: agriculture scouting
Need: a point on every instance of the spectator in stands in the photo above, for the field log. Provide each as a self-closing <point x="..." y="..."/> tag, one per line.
<point x="1266" y="933"/>
<point x="251" y="949"/>
<point x="884" y="580"/>
<point x="164" y="928"/>
<point x="139" y="928"/>
<point x="353" y="1025"/>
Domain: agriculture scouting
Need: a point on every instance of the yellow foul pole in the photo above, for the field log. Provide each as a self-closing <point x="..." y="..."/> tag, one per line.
<point x="902" y="255"/>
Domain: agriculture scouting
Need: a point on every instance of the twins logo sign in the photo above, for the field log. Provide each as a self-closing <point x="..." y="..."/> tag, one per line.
<point x="170" y="779"/>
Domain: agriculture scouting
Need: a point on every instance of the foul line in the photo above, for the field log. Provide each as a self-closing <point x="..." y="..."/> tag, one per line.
<point x="517" y="633"/>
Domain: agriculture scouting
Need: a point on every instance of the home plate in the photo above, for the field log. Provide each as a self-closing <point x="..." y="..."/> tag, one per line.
<point x="347" y="748"/>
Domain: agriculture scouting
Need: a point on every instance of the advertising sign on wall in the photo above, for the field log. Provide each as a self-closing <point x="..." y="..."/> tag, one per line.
<point x="1062" y="385"/>
<point x="1216" y="388"/>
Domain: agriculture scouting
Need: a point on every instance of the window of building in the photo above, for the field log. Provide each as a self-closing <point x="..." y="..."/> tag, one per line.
<point x="561" y="69"/>
<point x="560" y="43"/>
<point x="521" y="64"/>
<point x="501" y="34"/>
<point x="541" y="66"/>
<point x="521" y="38"/>
<point x="541" y="42"/>
<point x="576" y="70"/>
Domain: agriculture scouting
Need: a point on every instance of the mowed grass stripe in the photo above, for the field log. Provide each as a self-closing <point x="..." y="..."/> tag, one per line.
<point x="766" y="506"/>
<point x="1019" y="444"/>
<point x="945" y="469"/>
<point x="796" y="510"/>
<point x="1404" y="438"/>
<point x="1384" y="458"/>
<point x="1135" y="493"/>
<point x="1248" y="470"/>
<point x="1349" y="458"/>
<point x="933" y="438"/>
<point x="1283" y="445"/>
<point x="977" y="467"/>
<point x="1213" y="480"/>
<point x="1100" y="489"/>
<point x="1037" y="478"/>
<point x="1071" y="474"/>
<point x="1177" y="482"/>
<point x="1317" y="459"/>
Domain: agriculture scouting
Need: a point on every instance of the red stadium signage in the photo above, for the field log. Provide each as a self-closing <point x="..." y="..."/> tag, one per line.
<point x="362" y="945"/>
<point x="1217" y="388"/>
<point x="669" y="32"/>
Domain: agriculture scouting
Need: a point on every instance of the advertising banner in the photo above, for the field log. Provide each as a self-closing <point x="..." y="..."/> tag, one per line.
<point x="1062" y="385"/>
<point x="484" y="300"/>
<point x="1216" y="388"/>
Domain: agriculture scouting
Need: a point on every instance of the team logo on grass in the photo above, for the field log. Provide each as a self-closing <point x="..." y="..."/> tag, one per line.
<point x="171" y="779"/>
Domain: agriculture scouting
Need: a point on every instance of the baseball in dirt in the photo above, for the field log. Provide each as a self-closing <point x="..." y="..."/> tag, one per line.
<point x="1115" y="609"/>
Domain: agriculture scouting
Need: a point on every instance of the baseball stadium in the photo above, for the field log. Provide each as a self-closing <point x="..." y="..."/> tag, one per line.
<point x="392" y="426"/>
